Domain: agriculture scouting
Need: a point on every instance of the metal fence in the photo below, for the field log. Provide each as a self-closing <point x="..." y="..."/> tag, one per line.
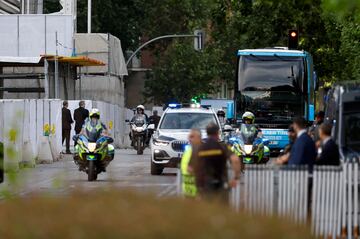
<point x="326" y="198"/>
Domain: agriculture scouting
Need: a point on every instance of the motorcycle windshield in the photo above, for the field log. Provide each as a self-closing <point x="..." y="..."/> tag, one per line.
<point x="139" y="121"/>
<point x="248" y="133"/>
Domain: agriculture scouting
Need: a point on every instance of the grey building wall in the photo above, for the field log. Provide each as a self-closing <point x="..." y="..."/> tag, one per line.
<point x="134" y="88"/>
<point x="104" y="88"/>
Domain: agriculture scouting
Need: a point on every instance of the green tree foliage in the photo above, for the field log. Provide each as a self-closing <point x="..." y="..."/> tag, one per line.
<point x="51" y="6"/>
<point x="350" y="50"/>
<point x="329" y="30"/>
<point x="122" y="18"/>
<point x="181" y="74"/>
<point x="343" y="8"/>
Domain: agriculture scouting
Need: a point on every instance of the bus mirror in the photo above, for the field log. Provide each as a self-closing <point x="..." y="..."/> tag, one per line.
<point x="230" y="110"/>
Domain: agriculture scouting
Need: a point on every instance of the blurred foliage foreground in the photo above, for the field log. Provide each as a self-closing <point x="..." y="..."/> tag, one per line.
<point x="130" y="215"/>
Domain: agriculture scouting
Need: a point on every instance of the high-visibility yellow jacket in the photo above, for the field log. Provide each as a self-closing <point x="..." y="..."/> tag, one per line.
<point x="188" y="180"/>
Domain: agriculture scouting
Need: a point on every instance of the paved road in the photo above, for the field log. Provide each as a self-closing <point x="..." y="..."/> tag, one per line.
<point x="126" y="171"/>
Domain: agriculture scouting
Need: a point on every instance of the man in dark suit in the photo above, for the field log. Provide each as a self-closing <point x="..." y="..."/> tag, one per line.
<point x="329" y="151"/>
<point x="303" y="151"/>
<point x="66" y="125"/>
<point x="80" y="115"/>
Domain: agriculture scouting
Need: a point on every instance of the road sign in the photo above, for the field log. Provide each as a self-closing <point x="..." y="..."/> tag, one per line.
<point x="199" y="40"/>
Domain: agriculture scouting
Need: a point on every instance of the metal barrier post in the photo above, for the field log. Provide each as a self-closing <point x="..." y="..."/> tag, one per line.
<point x="349" y="202"/>
<point x="343" y="200"/>
<point x="356" y="198"/>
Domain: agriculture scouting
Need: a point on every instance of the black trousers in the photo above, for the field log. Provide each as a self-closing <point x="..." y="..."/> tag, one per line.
<point x="77" y="131"/>
<point x="66" y="137"/>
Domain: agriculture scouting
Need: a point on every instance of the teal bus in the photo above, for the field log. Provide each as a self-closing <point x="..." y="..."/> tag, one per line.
<point x="275" y="84"/>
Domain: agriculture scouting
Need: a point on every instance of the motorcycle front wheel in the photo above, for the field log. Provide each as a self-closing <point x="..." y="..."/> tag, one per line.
<point x="92" y="174"/>
<point x="139" y="146"/>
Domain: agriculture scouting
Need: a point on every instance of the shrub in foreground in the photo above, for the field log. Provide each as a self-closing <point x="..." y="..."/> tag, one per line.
<point x="131" y="215"/>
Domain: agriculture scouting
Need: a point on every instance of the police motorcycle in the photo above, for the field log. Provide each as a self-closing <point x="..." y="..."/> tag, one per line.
<point x="248" y="146"/>
<point x="139" y="133"/>
<point x="93" y="151"/>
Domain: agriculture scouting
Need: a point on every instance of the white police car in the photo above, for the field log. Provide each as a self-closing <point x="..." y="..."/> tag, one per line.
<point x="171" y="137"/>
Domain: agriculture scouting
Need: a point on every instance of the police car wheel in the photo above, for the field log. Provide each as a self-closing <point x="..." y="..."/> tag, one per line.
<point x="156" y="169"/>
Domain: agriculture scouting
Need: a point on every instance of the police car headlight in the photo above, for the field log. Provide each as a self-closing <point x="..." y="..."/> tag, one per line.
<point x="248" y="149"/>
<point x="160" y="142"/>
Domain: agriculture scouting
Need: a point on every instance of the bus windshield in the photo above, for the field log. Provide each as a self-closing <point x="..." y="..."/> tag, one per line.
<point x="271" y="87"/>
<point x="278" y="73"/>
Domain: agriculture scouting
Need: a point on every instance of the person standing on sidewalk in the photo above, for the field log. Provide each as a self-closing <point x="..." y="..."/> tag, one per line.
<point x="66" y="125"/>
<point x="211" y="168"/>
<point x="80" y="115"/>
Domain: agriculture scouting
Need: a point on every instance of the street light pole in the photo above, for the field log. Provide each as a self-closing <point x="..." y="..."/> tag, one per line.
<point x="89" y="17"/>
<point x="155" y="39"/>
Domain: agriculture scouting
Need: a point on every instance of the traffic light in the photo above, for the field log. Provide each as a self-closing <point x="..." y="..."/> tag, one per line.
<point x="293" y="39"/>
<point x="199" y="39"/>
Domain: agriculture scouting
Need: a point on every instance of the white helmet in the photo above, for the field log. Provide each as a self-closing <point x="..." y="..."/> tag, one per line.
<point x="248" y="116"/>
<point x="94" y="112"/>
<point x="140" y="107"/>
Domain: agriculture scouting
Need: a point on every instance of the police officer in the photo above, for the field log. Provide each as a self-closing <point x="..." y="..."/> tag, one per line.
<point x="248" y="119"/>
<point x="187" y="172"/>
<point x="93" y="128"/>
<point x="221" y="116"/>
<point x="211" y="167"/>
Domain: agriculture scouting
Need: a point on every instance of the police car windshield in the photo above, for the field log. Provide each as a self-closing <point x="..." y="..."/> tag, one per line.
<point x="186" y="120"/>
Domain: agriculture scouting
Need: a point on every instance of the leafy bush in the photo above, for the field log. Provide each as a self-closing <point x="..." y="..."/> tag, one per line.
<point x="130" y="215"/>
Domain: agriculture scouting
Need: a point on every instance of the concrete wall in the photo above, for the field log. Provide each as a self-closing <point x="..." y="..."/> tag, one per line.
<point x="22" y="124"/>
<point x="108" y="89"/>
<point x="26" y="120"/>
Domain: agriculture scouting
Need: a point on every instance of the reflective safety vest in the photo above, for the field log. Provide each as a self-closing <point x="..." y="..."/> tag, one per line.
<point x="188" y="181"/>
<point x="93" y="132"/>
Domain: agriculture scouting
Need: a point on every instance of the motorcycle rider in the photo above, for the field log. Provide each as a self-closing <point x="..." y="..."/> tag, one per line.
<point x="140" y="113"/>
<point x="93" y="128"/>
<point x="248" y="118"/>
<point x="154" y="119"/>
<point x="221" y="115"/>
<point x="252" y="133"/>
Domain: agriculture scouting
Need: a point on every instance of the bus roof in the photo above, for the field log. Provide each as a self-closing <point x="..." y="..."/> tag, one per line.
<point x="271" y="52"/>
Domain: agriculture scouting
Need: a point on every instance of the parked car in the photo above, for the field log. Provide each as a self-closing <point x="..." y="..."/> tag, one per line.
<point x="343" y="111"/>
